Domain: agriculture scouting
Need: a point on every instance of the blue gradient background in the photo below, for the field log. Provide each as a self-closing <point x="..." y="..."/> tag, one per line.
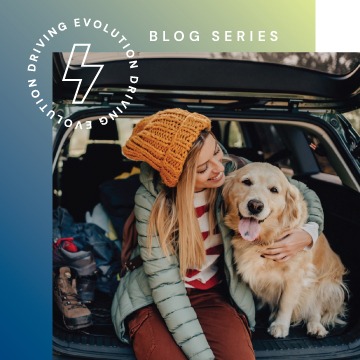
<point x="26" y="149"/>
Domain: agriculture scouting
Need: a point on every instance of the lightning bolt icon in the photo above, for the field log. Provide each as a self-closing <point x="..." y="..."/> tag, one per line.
<point x="100" y="67"/>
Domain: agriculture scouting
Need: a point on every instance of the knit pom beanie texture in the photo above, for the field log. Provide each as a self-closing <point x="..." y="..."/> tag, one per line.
<point x="164" y="140"/>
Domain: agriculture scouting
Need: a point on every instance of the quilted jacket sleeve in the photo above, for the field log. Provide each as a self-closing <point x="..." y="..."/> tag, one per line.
<point x="168" y="289"/>
<point x="315" y="210"/>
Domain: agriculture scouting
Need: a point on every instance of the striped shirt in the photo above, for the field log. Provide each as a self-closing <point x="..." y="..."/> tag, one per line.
<point x="209" y="274"/>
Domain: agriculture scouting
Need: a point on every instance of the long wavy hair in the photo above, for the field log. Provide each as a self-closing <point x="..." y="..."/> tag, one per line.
<point x="173" y="218"/>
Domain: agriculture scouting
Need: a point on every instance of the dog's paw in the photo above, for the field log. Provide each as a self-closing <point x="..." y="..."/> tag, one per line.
<point x="278" y="330"/>
<point x="315" y="329"/>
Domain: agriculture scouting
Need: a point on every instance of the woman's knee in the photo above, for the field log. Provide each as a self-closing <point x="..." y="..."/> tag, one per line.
<point x="227" y="332"/>
<point x="150" y="337"/>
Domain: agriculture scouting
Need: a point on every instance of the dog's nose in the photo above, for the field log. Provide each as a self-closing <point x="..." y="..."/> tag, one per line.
<point x="255" y="206"/>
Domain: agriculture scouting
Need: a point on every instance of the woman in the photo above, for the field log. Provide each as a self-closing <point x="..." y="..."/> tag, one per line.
<point x="186" y="301"/>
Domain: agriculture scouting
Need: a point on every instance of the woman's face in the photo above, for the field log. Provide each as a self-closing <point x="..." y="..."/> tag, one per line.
<point x="209" y="167"/>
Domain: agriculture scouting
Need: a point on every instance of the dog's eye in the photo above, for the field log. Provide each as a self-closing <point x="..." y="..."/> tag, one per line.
<point x="274" y="189"/>
<point x="247" y="182"/>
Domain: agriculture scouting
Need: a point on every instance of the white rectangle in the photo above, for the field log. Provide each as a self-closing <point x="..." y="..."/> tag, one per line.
<point x="337" y="26"/>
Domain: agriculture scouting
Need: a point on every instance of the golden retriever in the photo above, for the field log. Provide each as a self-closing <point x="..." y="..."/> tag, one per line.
<point x="261" y="205"/>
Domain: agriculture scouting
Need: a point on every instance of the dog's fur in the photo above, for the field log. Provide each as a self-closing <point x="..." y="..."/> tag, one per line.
<point x="309" y="286"/>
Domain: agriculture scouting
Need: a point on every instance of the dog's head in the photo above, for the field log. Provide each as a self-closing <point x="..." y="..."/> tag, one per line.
<point x="261" y="203"/>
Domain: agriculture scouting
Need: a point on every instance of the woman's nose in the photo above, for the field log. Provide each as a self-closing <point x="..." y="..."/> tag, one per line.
<point x="218" y="165"/>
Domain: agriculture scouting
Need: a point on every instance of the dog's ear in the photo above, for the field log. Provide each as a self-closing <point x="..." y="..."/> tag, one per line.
<point x="230" y="211"/>
<point x="226" y="191"/>
<point x="292" y="212"/>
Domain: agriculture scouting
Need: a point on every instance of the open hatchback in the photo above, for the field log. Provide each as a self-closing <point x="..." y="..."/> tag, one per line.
<point x="292" y="117"/>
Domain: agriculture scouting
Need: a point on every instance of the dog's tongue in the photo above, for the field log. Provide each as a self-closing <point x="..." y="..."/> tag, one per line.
<point x="249" y="229"/>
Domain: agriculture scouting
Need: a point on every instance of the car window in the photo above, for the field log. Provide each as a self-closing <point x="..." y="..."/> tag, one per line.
<point x="81" y="137"/>
<point x="320" y="155"/>
<point x="354" y="118"/>
<point x="254" y="141"/>
<point x="273" y="146"/>
<point x="236" y="137"/>
<point x="78" y="142"/>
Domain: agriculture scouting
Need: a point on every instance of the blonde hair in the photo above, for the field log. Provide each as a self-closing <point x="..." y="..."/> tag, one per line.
<point x="173" y="218"/>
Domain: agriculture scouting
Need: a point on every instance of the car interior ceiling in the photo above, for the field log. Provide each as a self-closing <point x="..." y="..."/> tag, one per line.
<point x="78" y="180"/>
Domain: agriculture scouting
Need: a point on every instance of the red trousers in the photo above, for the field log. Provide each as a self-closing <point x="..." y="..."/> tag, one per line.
<point x="226" y="331"/>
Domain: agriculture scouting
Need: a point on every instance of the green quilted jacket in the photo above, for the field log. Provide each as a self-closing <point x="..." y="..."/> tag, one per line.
<point x="158" y="280"/>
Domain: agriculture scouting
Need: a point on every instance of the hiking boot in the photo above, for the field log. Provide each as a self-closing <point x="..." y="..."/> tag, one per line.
<point x="75" y="314"/>
<point x="85" y="286"/>
<point x="66" y="253"/>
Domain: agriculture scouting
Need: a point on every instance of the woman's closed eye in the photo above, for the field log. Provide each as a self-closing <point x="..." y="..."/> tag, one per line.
<point x="201" y="171"/>
<point x="214" y="158"/>
<point x="204" y="167"/>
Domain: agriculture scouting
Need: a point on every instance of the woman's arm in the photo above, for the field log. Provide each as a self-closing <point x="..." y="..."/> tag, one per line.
<point x="168" y="289"/>
<point x="315" y="210"/>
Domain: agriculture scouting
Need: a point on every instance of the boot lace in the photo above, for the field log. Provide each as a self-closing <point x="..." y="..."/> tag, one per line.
<point x="71" y="299"/>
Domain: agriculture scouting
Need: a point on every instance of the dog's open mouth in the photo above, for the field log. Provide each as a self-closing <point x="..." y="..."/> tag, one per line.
<point x="249" y="227"/>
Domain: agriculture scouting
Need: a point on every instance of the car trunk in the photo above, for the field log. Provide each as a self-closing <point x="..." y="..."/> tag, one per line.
<point x="341" y="207"/>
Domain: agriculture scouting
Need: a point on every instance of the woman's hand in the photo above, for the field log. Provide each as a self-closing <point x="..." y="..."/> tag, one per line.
<point x="290" y="243"/>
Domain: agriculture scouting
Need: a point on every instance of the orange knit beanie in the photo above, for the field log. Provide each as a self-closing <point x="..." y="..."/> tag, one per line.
<point x="164" y="140"/>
